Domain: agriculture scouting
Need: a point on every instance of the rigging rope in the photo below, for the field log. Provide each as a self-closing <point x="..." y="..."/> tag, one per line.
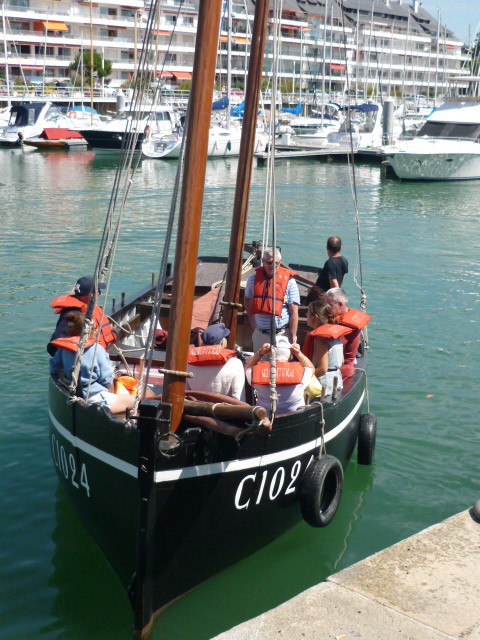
<point x="123" y="181"/>
<point x="358" y="270"/>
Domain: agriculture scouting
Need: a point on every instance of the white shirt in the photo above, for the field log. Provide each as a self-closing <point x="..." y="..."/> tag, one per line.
<point x="290" y="396"/>
<point x="228" y="379"/>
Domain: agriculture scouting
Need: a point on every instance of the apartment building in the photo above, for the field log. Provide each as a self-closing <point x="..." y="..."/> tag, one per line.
<point x="365" y="47"/>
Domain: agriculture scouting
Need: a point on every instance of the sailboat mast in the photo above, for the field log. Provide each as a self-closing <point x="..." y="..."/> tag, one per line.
<point x="7" y="76"/>
<point x="244" y="172"/>
<point x="195" y="160"/>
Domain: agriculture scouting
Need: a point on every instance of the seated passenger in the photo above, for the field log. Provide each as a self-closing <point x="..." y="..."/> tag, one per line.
<point x="291" y="380"/>
<point x="96" y="371"/>
<point x="323" y="345"/>
<point x="357" y="320"/>
<point x="77" y="302"/>
<point x="216" y="369"/>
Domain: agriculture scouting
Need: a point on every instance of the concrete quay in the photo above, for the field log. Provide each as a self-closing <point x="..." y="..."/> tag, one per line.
<point x="426" y="587"/>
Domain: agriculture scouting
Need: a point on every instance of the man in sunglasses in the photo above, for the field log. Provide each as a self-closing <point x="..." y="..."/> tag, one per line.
<point x="261" y="303"/>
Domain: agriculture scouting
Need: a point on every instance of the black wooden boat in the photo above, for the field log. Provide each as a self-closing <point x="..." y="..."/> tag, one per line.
<point x="186" y="487"/>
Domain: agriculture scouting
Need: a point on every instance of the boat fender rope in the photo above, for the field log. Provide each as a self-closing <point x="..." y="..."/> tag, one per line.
<point x="180" y="374"/>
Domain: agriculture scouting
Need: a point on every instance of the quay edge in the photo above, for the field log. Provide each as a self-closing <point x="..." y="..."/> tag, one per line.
<point x="423" y="588"/>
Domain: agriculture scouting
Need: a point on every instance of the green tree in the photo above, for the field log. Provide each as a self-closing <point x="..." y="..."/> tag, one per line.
<point x="101" y="68"/>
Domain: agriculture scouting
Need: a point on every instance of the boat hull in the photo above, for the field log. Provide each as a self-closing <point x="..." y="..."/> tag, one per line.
<point x="109" y="141"/>
<point x="222" y="500"/>
<point x="450" y="165"/>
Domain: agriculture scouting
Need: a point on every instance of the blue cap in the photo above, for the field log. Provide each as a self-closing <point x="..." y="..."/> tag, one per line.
<point x="84" y="285"/>
<point x="215" y="333"/>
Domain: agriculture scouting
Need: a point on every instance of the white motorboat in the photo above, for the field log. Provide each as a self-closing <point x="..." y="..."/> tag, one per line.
<point x="447" y="147"/>
<point x="109" y="136"/>
<point x="28" y="120"/>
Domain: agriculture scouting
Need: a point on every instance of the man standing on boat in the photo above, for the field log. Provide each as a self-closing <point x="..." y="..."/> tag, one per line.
<point x="77" y="301"/>
<point x="260" y="301"/>
<point x="335" y="268"/>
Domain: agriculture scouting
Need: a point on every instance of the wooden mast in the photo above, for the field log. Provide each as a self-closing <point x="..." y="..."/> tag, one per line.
<point x="199" y="112"/>
<point x="244" y="172"/>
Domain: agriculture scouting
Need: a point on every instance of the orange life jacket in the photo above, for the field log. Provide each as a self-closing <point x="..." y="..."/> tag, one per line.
<point x="288" y="373"/>
<point x="126" y="385"/>
<point x="263" y="291"/>
<point x="70" y="343"/>
<point x="327" y="332"/>
<point x="354" y="319"/>
<point x="209" y="356"/>
<point x="107" y="335"/>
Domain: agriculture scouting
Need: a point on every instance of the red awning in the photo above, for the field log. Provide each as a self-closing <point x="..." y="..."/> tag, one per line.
<point x="31" y="68"/>
<point x="160" y="33"/>
<point x="49" y="25"/>
<point x="291" y="27"/>
<point x="164" y="74"/>
<point x="235" y="39"/>
<point x="182" y="75"/>
<point x="337" y="67"/>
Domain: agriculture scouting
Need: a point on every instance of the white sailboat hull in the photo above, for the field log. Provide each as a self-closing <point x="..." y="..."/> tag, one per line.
<point x="221" y="143"/>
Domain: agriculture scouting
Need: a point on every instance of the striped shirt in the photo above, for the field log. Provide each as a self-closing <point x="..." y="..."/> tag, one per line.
<point x="263" y="320"/>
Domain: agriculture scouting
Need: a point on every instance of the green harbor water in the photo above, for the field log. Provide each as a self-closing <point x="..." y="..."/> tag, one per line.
<point x="420" y="248"/>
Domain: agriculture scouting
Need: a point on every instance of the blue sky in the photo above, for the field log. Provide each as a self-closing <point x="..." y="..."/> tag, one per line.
<point x="457" y="15"/>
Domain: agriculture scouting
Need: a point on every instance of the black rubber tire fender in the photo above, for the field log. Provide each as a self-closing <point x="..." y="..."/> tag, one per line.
<point x="367" y="436"/>
<point x="321" y="490"/>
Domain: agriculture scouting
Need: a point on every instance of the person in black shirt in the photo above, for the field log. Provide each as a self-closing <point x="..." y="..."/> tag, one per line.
<point x="335" y="268"/>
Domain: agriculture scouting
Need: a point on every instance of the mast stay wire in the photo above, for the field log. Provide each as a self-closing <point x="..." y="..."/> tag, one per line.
<point x="358" y="270"/>
<point x="270" y="213"/>
<point x="124" y="175"/>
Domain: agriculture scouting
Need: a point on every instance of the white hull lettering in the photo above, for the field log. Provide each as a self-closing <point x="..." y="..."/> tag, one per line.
<point x="272" y="485"/>
<point x="68" y="466"/>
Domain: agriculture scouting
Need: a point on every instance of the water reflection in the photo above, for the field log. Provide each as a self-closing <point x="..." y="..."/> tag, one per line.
<point x="89" y="601"/>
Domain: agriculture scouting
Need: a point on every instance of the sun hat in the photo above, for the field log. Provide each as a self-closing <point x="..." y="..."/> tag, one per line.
<point x="283" y="349"/>
<point x="215" y="333"/>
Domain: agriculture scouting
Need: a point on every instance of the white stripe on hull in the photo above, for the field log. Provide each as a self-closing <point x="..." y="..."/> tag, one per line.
<point x="205" y="469"/>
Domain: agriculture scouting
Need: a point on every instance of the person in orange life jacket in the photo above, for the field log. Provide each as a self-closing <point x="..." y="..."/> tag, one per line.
<point x="259" y="297"/>
<point x="292" y="377"/>
<point x="216" y="368"/>
<point x="335" y="268"/>
<point x="77" y="302"/>
<point x="324" y="347"/>
<point x="96" y="371"/>
<point x="338" y="300"/>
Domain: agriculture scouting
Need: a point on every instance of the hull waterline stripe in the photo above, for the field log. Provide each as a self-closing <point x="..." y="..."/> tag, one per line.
<point x="259" y="461"/>
<point x="206" y="469"/>
<point x="112" y="461"/>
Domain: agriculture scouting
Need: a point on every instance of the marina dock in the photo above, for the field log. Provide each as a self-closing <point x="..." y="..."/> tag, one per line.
<point x="340" y="153"/>
<point x="425" y="587"/>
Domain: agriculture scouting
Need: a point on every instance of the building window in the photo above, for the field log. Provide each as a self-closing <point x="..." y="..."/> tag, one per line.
<point x="170" y="57"/>
<point x="24" y="49"/>
<point x="40" y="50"/>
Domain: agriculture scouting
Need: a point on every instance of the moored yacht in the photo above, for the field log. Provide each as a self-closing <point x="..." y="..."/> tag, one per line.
<point x="28" y="120"/>
<point x="109" y="136"/>
<point x="361" y="128"/>
<point x="447" y="147"/>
